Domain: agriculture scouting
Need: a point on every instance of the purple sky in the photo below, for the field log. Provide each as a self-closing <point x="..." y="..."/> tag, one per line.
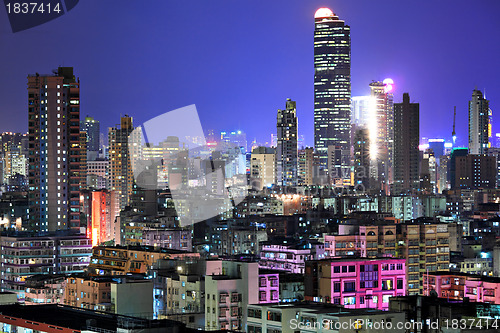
<point x="238" y="61"/>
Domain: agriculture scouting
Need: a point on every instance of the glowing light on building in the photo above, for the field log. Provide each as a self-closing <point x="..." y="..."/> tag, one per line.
<point x="323" y="13"/>
<point x="389" y="85"/>
<point x="372" y="125"/>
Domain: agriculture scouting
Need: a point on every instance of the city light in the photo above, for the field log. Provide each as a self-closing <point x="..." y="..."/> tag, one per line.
<point x="323" y="13"/>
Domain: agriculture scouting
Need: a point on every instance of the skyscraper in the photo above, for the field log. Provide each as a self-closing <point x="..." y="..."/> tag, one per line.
<point x="479" y="115"/>
<point x="121" y="174"/>
<point x="332" y="85"/>
<point x="54" y="150"/>
<point x="406" y="140"/>
<point x="92" y="128"/>
<point x="286" y="149"/>
<point x="381" y="124"/>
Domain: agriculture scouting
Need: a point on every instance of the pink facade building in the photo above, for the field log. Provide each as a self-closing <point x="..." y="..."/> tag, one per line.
<point x="457" y="286"/>
<point x="355" y="283"/>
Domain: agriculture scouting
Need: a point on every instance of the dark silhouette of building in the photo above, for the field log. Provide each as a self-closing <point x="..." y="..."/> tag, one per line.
<point x="406" y="140"/>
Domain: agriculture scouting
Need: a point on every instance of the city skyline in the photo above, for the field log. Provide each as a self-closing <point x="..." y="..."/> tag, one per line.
<point x="160" y="80"/>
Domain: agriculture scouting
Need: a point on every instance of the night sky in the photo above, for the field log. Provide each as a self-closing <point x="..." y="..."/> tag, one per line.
<point x="238" y="61"/>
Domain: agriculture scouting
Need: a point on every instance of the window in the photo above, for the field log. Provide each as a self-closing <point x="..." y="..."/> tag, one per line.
<point x="349" y="300"/>
<point x="387" y="285"/>
<point x="361" y="300"/>
<point x="336" y="269"/>
<point x="336" y="287"/>
<point x="344" y="269"/>
<point x="350" y="286"/>
<point x="273" y="316"/>
<point x="262" y="296"/>
<point x="399" y="284"/>
<point x="352" y="269"/>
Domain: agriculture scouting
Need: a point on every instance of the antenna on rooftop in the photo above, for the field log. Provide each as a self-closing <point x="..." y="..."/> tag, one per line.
<point x="453" y="134"/>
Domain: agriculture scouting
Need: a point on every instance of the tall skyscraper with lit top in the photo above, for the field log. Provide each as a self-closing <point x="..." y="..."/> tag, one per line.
<point x="332" y="86"/>
<point x="54" y="151"/>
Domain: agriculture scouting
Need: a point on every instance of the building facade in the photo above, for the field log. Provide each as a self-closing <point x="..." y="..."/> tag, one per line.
<point x="406" y="142"/>
<point x="355" y="283"/>
<point x="54" y="153"/>
<point x="332" y="85"/>
<point x="286" y="149"/>
<point x="479" y="123"/>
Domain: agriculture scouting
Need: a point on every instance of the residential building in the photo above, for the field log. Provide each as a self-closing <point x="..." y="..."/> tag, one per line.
<point x="121" y="175"/>
<point x="475" y="172"/>
<point x="91" y="127"/>
<point x="263" y="167"/>
<point x="54" y="153"/>
<point x="355" y="283"/>
<point x="289" y="257"/>
<point x="229" y="287"/>
<point x="406" y="141"/>
<point x="120" y="260"/>
<point x="23" y="257"/>
<point x="425" y="246"/>
<point x="458" y="286"/>
<point x="45" y="289"/>
<point x="286" y="149"/>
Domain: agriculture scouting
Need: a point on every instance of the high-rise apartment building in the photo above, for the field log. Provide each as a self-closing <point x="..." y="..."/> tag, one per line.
<point x="406" y="141"/>
<point x="54" y="151"/>
<point x="121" y="175"/>
<point x="13" y="156"/>
<point x="332" y="85"/>
<point x="263" y="167"/>
<point x="286" y="150"/>
<point x="479" y="123"/>
<point x="308" y="167"/>
<point x="92" y="128"/>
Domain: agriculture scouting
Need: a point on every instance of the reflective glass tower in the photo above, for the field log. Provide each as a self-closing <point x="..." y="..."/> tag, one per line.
<point x="332" y="86"/>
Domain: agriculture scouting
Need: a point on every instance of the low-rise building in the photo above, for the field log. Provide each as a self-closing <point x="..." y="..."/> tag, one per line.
<point x="319" y="317"/>
<point x="25" y="256"/>
<point x="355" y="283"/>
<point x="289" y="256"/>
<point x="45" y="289"/>
<point x="460" y="286"/>
<point x="119" y="260"/>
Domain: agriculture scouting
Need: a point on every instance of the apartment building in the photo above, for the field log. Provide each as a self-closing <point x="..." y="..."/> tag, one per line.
<point x="355" y="283"/>
<point x="425" y="246"/>
<point x="119" y="260"/>
<point x="23" y="257"/>
<point x="460" y="286"/>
